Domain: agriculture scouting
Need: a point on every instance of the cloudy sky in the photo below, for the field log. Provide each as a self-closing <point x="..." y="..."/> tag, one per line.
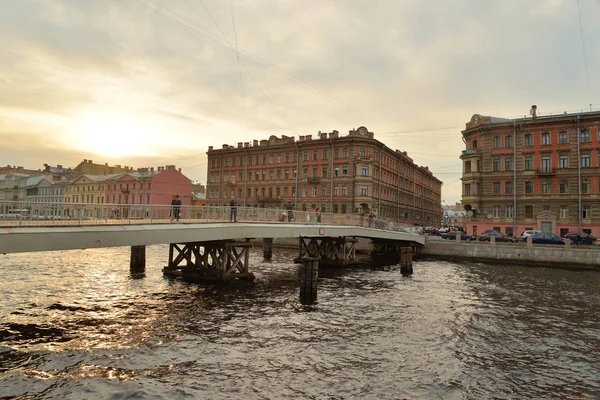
<point x="155" y="82"/>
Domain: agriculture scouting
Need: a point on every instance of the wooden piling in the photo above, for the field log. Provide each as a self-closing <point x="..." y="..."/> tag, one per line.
<point x="137" y="262"/>
<point x="406" y="260"/>
<point x="268" y="248"/>
<point x="309" y="274"/>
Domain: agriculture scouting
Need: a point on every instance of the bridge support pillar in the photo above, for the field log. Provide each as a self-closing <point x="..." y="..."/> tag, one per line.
<point x="329" y="251"/>
<point x="213" y="261"/>
<point x="406" y="267"/>
<point x="137" y="261"/>
<point x="268" y="248"/>
<point x="309" y="275"/>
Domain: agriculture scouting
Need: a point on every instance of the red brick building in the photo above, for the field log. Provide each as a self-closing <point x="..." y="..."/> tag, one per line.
<point x="351" y="174"/>
<point x="532" y="173"/>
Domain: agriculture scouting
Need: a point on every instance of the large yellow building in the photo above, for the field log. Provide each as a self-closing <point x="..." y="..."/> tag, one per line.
<point x="85" y="189"/>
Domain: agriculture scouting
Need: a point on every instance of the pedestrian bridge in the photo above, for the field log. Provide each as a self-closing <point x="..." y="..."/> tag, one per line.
<point x="19" y="239"/>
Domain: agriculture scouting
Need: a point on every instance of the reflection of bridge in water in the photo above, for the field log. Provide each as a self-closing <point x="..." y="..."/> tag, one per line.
<point x="204" y="246"/>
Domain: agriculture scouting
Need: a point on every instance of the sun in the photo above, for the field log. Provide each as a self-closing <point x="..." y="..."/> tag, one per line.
<point x="112" y="135"/>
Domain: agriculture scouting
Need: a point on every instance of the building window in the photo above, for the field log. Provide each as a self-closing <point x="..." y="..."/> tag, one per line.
<point x="528" y="163"/>
<point x="563" y="162"/>
<point x="508" y="164"/>
<point x="528" y="140"/>
<point x="315" y="155"/>
<point x="345" y="152"/>
<point x="345" y="170"/>
<point x="314" y="191"/>
<point x="336" y="154"/>
<point x="295" y="157"/>
<point x="546" y="164"/>
<point x="564" y="212"/>
<point x="304" y="192"/>
<point x="496" y="164"/>
<point x="474" y="144"/>
<point x="546" y="139"/>
<point x="508" y="188"/>
<point x="293" y="191"/>
<point x="496" y="187"/>
<point x="529" y="187"/>
<point x="508" y="142"/>
<point x="336" y="172"/>
<point x="336" y="191"/>
<point x="546" y="207"/>
<point x="305" y="156"/>
<point x="586" y="186"/>
<point x="496" y="212"/>
<point x="278" y="158"/>
<point x="362" y="153"/>
<point x="323" y="191"/>
<point x="496" y="142"/>
<point x="467" y="166"/>
<point x="563" y="186"/>
<point x="344" y="191"/>
<point x="314" y="172"/>
<point x="364" y="171"/>
<point x="233" y="162"/>
<point x="467" y="189"/>
<point x="304" y="173"/>
<point x="325" y="154"/>
<point x="227" y="162"/>
<point x="364" y="191"/>
<point x="508" y="211"/>
<point x="528" y="212"/>
<point x="585" y="161"/>
<point x="324" y="172"/>
<point x="585" y="136"/>
<point x="586" y="212"/>
<point x="562" y="137"/>
<point x="546" y="187"/>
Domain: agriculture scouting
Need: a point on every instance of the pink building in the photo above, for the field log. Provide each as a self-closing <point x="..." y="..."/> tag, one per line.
<point x="147" y="186"/>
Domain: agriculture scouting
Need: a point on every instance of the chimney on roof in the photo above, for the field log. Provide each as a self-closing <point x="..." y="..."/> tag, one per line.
<point x="254" y="143"/>
<point x="151" y="169"/>
<point x="179" y="169"/>
<point x="301" y="138"/>
<point x="533" y="111"/>
<point x="210" y="148"/>
<point x="246" y="145"/>
<point x="308" y="137"/>
<point x="85" y="160"/>
<point x="59" y="166"/>
<point x="225" y="146"/>
<point x="90" y="161"/>
<point x="240" y="144"/>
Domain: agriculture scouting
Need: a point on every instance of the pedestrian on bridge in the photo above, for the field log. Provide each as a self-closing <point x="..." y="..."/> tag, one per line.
<point x="233" y="213"/>
<point x="177" y="208"/>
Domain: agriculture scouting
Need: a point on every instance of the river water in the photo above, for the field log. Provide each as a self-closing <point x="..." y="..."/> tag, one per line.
<point x="78" y="325"/>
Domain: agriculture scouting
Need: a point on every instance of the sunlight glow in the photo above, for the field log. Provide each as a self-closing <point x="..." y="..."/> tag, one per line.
<point x="112" y="135"/>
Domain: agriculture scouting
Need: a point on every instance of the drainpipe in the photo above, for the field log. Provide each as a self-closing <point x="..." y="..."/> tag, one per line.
<point x="380" y="214"/>
<point x="578" y="178"/>
<point x="514" y="179"/>
<point x="220" y="178"/>
<point x="245" y="176"/>
<point x="297" y="175"/>
<point x="331" y="172"/>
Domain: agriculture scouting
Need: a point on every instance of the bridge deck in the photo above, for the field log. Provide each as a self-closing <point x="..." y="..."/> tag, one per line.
<point x="31" y="239"/>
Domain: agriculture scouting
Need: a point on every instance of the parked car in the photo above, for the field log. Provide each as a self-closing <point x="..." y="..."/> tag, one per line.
<point x="580" y="238"/>
<point x="452" y="236"/>
<point x="500" y="237"/>
<point x="547" y="238"/>
<point x="528" y="233"/>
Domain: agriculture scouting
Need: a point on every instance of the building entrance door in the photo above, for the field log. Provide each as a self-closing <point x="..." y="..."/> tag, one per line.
<point x="547" y="227"/>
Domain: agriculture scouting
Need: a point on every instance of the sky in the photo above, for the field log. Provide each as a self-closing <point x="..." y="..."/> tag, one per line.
<point x="155" y="82"/>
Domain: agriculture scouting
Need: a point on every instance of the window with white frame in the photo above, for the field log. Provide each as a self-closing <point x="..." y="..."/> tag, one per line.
<point x="364" y="191"/>
<point x="508" y="211"/>
<point x="546" y="141"/>
<point x="496" y="212"/>
<point x="564" y="212"/>
<point x="563" y="162"/>
<point x="562" y="137"/>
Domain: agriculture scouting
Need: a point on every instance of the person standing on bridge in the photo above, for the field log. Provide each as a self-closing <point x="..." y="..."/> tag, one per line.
<point x="177" y="208"/>
<point x="233" y="213"/>
<point x="172" y="213"/>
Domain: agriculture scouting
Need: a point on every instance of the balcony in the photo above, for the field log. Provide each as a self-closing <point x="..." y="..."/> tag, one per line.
<point x="313" y="179"/>
<point x="469" y="152"/>
<point x="230" y="183"/>
<point x="545" y="171"/>
<point x="269" y="199"/>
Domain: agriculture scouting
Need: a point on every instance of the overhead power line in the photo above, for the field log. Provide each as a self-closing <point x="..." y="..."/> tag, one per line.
<point x="587" y="74"/>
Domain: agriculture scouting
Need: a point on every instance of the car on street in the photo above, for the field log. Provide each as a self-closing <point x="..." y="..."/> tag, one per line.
<point x="500" y="237"/>
<point x="547" y="238"/>
<point x="528" y="233"/>
<point x="580" y="238"/>
<point x="454" y="234"/>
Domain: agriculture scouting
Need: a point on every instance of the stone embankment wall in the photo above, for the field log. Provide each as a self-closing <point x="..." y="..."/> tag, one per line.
<point x="567" y="256"/>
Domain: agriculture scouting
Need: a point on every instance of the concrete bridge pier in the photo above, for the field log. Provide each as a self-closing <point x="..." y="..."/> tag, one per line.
<point x="406" y="267"/>
<point x="328" y="250"/>
<point x="268" y="248"/>
<point x="211" y="261"/>
<point x="309" y="275"/>
<point x="137" y="261"/>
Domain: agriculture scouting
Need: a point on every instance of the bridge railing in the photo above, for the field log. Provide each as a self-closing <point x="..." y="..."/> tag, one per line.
<point x="69" y="214"/>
